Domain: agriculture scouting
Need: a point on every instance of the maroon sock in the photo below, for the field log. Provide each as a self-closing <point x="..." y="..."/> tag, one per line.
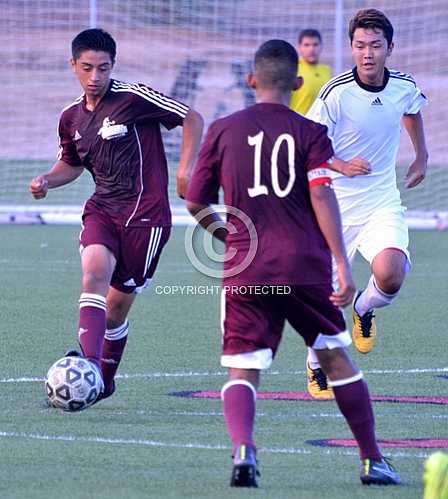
<point x="354" y="402"/>
<point x="239" y="412"/>
<point x="113" y="348"/>
<point x="92" y="325"/>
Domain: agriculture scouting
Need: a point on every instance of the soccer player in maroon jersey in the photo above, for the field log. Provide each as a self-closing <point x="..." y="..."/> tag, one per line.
<point x="113" y="131"/>
<point x="273" y="166"/>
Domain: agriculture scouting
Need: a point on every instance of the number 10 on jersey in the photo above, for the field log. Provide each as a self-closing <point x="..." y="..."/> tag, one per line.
<point x="259" y="189"/>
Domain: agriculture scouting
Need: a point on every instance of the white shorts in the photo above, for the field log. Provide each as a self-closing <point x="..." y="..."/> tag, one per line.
<point x="384" y="229"/>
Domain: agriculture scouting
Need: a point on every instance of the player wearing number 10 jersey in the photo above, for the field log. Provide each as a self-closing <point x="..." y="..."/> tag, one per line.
<point x="272" y="166"/>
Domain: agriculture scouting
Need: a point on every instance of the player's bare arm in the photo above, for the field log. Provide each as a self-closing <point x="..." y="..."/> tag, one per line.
<point x="211" y="221"/>
<point x="417" y="171"/>
<point x="191" y="140"/>
<point x="326" y="209"/>
<point x="60" y="174"/>
<point x="352" y="168"/>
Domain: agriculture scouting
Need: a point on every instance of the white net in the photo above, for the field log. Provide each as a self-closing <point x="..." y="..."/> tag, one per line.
<point x="197" y="51"/>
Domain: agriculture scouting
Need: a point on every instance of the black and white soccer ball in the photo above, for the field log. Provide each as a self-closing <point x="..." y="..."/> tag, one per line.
<point x="73" y="384"/>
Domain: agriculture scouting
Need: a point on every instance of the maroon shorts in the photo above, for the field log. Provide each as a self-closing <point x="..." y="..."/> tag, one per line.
<point x="136" y="249"/>
<point x="253" y="322"/>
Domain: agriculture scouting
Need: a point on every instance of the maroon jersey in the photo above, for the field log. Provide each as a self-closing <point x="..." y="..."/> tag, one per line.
<point x="265" y="158"/>
<point x="120" y="143"/>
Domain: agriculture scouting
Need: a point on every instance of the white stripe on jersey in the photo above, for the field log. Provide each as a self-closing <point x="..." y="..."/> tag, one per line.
<point x="74" y="103"/>
<point x="155" y="93"/>
<point x="345" y="81"/>
<point x="397" y="77"/>
<point x="140" y="94"/>
<point x="336" y="79"/>
<point x="166" y="100"/>
<point x="394" y="72"/>
<point x="59" y="154"/>
<point x="152" y="96"/>
<point x="141" y="177"/>
<point x="141" y="87"/>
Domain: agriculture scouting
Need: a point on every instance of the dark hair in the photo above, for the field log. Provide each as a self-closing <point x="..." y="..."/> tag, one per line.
<point x="371" y="19"/>
<point x="276" y="64"/>
<point x="309" y="33"/>
<point x="94" y="39"/>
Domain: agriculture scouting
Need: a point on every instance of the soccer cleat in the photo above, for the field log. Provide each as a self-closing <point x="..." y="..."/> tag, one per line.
<point x="378" y="473"/>
<point x="364" y="329"/>
<point x="73" y="353"/>
<point x="109" y="391"/>
<point x="435" y="476"/>
<point x="244" y="473"/>
<point x="318" y="384"/>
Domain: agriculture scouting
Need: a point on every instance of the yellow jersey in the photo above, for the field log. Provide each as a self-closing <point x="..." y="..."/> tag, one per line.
<point x="314" y="78"/>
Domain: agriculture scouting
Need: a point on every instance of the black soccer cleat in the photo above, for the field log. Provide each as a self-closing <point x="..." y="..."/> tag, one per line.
<point x="379" y="473"/>
<point x="109" y="391"/>
<point x="73" y="353"/>
<point x="245" y="472"/>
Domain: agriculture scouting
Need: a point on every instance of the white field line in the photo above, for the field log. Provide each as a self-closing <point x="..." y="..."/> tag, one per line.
<point x="207" y="374"/>
<point x="191" y="445"/>
<point x="268" y="415"/>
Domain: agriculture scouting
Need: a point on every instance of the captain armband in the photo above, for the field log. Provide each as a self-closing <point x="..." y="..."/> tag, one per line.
<point x="320" y="175"/>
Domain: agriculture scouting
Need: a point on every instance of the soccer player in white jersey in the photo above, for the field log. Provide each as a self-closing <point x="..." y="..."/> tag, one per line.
<point x="363" y="109"/>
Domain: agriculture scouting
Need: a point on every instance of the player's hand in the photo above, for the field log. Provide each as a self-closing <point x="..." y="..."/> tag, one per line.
<point x="182" y="181"/>
<point x="39" y="187"/>
<point x="356" y="166"/>
<point x="346" y="292"/>
<point x="416" y="173"/>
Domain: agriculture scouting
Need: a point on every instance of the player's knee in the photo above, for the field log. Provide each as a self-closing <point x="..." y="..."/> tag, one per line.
<point x="390" y="282"/>
<point x="95" y="282"/>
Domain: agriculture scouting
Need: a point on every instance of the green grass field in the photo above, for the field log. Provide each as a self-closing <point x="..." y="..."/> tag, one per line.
<point x="144" y="442"/>
<point x="16" y="174"/>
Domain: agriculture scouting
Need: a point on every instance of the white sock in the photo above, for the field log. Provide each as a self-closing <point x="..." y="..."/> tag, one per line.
<point x="373" y="297"/>
<point x="312" y="359"/>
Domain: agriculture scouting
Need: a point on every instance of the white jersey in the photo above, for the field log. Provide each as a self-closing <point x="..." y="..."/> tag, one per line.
<point x="365" y="121"/>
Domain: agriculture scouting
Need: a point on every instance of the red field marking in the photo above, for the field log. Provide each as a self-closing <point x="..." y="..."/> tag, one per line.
<point x="304" y="396"/>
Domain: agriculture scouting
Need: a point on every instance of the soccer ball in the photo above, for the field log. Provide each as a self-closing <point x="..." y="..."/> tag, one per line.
<point x="435" y="476"/>
<point x="73" y="384"/>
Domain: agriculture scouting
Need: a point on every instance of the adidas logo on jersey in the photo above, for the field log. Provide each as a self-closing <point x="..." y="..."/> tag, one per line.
<point x="77" y="136"/>
<point x="376" y="102"/>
